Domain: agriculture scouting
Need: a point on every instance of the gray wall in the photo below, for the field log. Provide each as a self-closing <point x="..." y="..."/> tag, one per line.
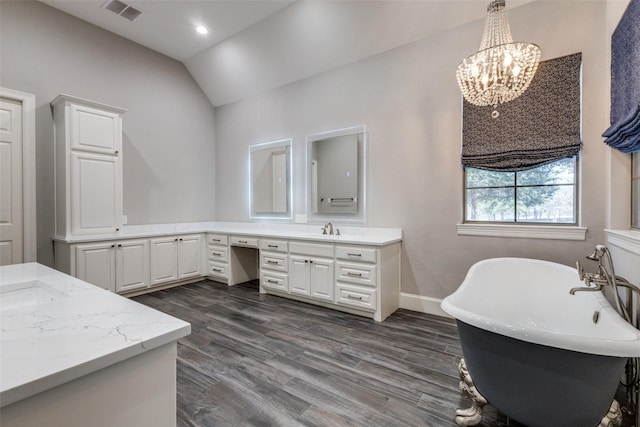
<point x="168" y="145"/>
<point x="409" y="100"/>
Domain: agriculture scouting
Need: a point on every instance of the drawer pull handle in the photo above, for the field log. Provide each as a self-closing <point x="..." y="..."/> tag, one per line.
<point x="272" y="262"/>
<point x="216" y="240"/>
<point x="354" y="297"/>
<point x="243" y="242"/>
<point x="352" y="274"/>
<point x="272" y="246"/>
<point x="272" y="281"/>
<point x="216" y="253"/>
<point x="217" y="270"/>
<point x="350" y="254"/>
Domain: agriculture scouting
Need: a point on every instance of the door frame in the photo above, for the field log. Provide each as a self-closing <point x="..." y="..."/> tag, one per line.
<point x="29" y="234"/>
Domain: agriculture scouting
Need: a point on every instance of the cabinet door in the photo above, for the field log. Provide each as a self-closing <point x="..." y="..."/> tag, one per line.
<point x="299" y="275"/>
<point x="96" y="194"/>
<point x="95" y="263"/>
<point x="189" y="256"/>
<point x="322" y="279"/>
<point x="132" y="265"/>
<point x="95" y="130"/>
<point x="164" y="260"/>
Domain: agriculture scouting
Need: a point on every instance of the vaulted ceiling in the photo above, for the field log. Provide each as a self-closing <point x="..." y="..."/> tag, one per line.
<point x="256" y="45"/>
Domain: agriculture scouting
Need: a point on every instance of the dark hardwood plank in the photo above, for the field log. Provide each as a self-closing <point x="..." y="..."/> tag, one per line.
<point x="261" y="360"/>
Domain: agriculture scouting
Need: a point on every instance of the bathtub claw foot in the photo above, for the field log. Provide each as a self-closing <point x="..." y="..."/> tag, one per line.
<point x="613" y="417"/>
<point x="473" y="415"/>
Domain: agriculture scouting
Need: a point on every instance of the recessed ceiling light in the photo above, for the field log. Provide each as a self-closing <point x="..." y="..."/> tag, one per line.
<point x="202" y="29"/>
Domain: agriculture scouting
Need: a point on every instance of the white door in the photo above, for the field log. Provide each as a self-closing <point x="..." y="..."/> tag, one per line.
<point x="164" y="260"/>
<point x="189" y="256"/>
<point x="322" y="279"/>
<point x="95" y="189"/>
<point x="11" y="203"/>
<point x="299" y="275"/>
<point x="132" y="265"/>
<point x="95" y="263"/>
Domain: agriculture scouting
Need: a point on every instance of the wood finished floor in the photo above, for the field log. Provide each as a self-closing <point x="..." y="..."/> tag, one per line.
<point x="261" y="360"/>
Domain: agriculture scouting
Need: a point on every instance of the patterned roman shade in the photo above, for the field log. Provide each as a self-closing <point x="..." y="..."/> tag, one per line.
<point x="539" y="127"/>
<point x="624" y="133"/>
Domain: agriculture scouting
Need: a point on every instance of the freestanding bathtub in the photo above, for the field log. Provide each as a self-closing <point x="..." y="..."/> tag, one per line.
<point x="536" y="353"/>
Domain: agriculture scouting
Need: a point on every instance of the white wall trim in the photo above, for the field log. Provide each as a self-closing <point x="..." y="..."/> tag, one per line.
<point x="553" y="232"/>
<point x="421" y="304"/>
<point x="625" y="239"/>
<point x="28" y="101"/>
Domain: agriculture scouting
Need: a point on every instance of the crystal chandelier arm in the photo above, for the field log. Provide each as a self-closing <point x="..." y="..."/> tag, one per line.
<point x="501" y="70"/>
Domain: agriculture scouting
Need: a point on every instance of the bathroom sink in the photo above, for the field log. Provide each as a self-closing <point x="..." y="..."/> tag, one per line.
<point x="26" y="295"/>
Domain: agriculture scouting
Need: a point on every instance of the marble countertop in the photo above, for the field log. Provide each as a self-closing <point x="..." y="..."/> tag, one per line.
<point x="374" y="236"/>
<point x="55" y="328"/>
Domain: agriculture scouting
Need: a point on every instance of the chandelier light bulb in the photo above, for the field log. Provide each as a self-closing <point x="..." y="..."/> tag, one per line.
<point x="501" y="70"/>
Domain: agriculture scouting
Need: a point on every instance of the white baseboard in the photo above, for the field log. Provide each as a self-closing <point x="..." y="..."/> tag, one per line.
<point x="422" y="304"/>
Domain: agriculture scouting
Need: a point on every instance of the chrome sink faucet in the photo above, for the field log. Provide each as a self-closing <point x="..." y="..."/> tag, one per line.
<point x="329" y="226"/>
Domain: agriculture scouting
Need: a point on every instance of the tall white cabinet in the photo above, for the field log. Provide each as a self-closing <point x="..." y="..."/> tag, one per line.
<point x="88" y="167"/>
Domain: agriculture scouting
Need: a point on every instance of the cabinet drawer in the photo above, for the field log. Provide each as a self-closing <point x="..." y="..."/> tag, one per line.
<point x="274" y="245"/>
<point x="362" y="274"/>
<point x="312" y="249"/>
<point x="273" y="261"/>
<point x="250" y="242"/>
<point x="274" y="281"/>
<point x="217" y="270"/>
<point x="220" y="254"/>
<point x="217" y="239"/>
<point x="354" y="296"/>
<point x="355" y="253"/>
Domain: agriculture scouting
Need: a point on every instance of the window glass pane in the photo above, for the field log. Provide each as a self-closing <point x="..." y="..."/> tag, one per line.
<point x="490" y="204"/>
<point x="482" y="178"/>
<point x="560" y="172"/>
<point x="552" y="203"/>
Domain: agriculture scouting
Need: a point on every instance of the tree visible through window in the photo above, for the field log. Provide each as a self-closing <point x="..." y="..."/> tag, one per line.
<point x="546" y="194"/>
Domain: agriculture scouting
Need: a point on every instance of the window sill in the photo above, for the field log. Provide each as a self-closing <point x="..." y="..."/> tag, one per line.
<point x="552" y="232"/>
<point x="625" y="239"/>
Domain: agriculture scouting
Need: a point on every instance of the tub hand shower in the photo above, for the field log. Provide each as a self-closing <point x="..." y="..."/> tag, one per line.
<point x="599" y="280"/>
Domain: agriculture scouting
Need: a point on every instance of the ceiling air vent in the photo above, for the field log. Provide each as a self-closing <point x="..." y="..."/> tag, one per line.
<point x="121" y="8"/>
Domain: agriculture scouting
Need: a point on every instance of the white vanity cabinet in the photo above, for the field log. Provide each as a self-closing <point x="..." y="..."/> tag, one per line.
<point x="360" y="279"/>
<point x="356" y="277"/>
<point x="311" y="268"/>
<point x="175" y="258"/>
<point x="88" y="164"/>
<point x="117" y="266"/>
<point x="274" y="265"/>
<point x="218" y="257"/>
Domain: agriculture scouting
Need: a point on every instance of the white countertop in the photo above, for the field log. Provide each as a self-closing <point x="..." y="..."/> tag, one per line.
<point x="374" y="236"/>
<point x="55" y="328"/>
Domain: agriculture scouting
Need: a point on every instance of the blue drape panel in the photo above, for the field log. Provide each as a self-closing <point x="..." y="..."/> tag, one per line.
<point x="624" y="133"/>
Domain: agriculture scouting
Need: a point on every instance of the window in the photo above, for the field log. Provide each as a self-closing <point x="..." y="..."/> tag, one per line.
<point x="635" y="190"/>
<point x="546" y="194"/>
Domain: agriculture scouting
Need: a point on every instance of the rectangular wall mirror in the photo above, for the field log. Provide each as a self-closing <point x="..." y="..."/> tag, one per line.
<point x="270" y="170"/>
<point x="336" y="174"/>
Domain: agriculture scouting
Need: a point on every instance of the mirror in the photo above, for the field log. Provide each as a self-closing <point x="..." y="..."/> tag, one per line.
<point x="335" y="161"/>
<point x="270" y="178"/>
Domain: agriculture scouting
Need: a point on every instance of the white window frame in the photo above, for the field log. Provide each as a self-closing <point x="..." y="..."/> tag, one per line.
<point x="528" y="230"/>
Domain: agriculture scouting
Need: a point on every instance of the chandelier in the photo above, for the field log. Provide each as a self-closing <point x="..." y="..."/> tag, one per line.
<point x="501" y="70"/>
